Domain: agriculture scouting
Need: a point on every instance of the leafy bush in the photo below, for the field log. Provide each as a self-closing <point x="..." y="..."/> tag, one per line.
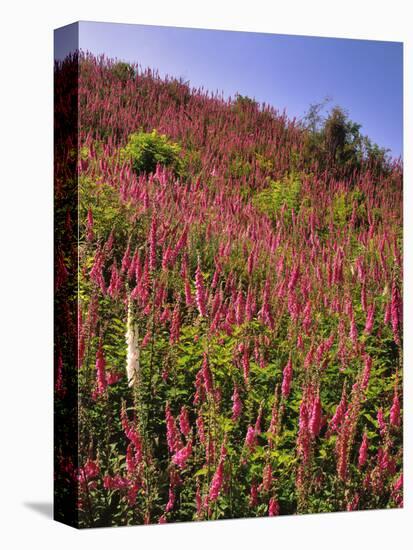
<point x="147" y="150"/>
<point x="343" y="205"/>
<point x="279" y="194"/>
<point x="243" y="102"/>
<point x="123" y="71"/>
<point x="335" y="142"/>
<point x="239" y="167"/>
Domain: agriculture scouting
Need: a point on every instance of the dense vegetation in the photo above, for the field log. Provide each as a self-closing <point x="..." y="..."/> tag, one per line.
<point x="240" y="307"/>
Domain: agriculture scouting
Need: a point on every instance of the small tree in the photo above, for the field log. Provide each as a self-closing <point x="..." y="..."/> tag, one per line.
<point x="335" y="134"/>
<point x="335" y="142"/>
<point x="313" y="119"/>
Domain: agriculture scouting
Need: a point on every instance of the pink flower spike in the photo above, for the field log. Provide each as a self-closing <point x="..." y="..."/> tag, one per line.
<point x="315" y="418"/>
<point x="181" y="457"/>
<point x="363" y="451"/>
<point x="200" y="291"/>
<point x="237" y="405"/>
<point x="287" y="378"/>
<point x="184" y="422"/>
<point x="273" y="507"/>
<point x="216" y="483"/>
<point x="395" y="411"/>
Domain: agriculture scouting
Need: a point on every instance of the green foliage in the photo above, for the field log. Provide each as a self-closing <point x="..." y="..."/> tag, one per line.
<point x="247" y="110"/>
<point x="343" y="204"/>
<point x="265" y="164"/>
<point x="279" y="194"/>
<point x="243" y="102"/>
<point x="239" y="167"/>
<point x="109" y="213"/>
<point x="123" y="71"/>
<point x="336" y="142"/>
<point x="179" y="91"/>
<point x="147" y="150"/>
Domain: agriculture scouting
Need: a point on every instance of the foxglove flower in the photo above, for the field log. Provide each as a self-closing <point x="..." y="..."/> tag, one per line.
<point x="133" y="351"/>
<point x="363" y="451"/>
<point x="287" y="378"/>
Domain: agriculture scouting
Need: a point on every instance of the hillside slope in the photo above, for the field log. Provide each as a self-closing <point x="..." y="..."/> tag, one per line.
<point x="240" y="315"/>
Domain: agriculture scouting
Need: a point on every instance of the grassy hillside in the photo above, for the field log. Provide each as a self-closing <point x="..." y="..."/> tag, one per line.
<point x="240" y="321"/>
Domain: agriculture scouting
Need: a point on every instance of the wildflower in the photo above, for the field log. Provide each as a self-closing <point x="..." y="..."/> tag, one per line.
<point x="265" y="312"/>
<point x="353" y="504"/>
<point x="363" y="451"/>
<point x="126" y="260"/>
<point x="96" y="274"/>
<point x="353" y="331"/>
<point x="181" y="457"/>
<point x="132" y="434"/>
<point x="342" y="444"/>
<point x="200" y="291"/>
<point x="173" y="481"/>
<point x="368" y="362"/>
<point x="130" y="459"/>
<point x="303" y="440"/>
<point x="251" y="438"/>
<point x="201" y="429"/>
<point x="133" y="352"/>
<point x="253" y="495"/>
<point x="395" y="312"/>
<point x="217" y="482"/>
<point x="206" y="374"/>
<point x="266" y="479"/>
<point x="307" y="317"/>
<point x="273" y="507"/>
<point x="398" y="484"/>
<point x="237" y="404"/>
<point x="91" y="469"/>
<point x="381" y="422"/>
<point x="152" y="244"/>
<point x="198" y="500"/>
<point x="338" y="417"/>
<point x="172" y="436"/>
<point x="369" y="319"/>
<point x="315" y="417"/>
<point x="249" y="306"/>
<point x="89" y="226"/>
<point x="240" y="308"/>
<point x="175" y="325"/>
<point x="295" y="273"/>
<point x="287" y="378"/>
<point x="100" y="370"/>
<point x="245" y="363"/>
<point x="115" y="282"/>
<point x="257" y="426"/>
<point x="184" y="422"/>
<point x="395" y="411"/>
<point x="387" y="313"/>
<point x="188" y="294"/>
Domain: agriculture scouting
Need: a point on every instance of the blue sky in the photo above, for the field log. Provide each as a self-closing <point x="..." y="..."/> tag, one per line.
<point x="365" y="77"/>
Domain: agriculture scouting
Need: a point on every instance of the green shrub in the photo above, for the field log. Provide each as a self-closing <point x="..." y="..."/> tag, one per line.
<point x="279" y="194"/>
<point x="243" y="102"/>
<point x="265" y="164"/>
<point x="123" y="71"/>
<point x="343" y="204"/>
<point x="146" y="150"/>
<point x="239" y="167"/>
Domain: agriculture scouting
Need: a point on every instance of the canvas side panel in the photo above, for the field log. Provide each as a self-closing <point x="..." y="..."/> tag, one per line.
<point x="66" y="73"/>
